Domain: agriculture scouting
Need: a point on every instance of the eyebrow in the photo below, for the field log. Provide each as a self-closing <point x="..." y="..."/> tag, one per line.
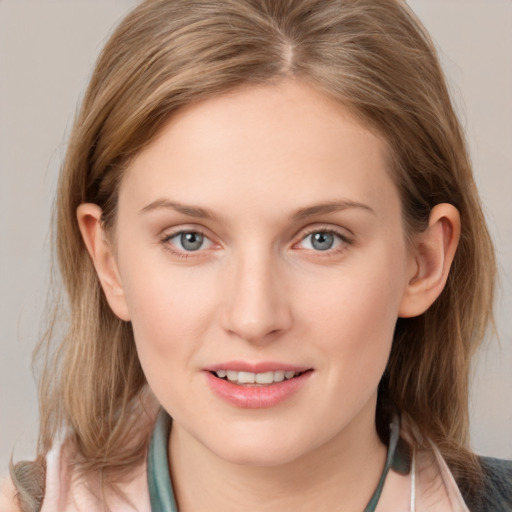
<point x="329" y="207"/>
<point x="301" y="214"/>
<point x="189" y="210"/>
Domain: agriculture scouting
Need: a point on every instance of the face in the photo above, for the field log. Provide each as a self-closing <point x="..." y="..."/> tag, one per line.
<point x="263" y="262"/>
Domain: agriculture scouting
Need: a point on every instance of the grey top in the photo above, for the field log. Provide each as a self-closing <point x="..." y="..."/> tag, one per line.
<point x="496" y="492"/>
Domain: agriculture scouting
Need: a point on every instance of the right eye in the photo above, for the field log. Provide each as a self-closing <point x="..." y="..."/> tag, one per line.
<point x="188" y="241"/>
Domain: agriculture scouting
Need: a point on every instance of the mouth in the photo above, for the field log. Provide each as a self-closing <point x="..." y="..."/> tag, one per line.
<point x="245" y="378"/>
<point x="256" y="385"/>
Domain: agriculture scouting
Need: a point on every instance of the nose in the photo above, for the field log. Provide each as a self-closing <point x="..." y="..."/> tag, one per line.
<point x="257" y="305"/>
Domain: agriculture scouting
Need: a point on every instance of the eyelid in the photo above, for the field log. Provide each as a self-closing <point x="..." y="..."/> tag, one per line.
<point x="166" y="235"/>
<point x="337" y="231"/>
<point x="179" y="234"/>
<point x="344" y="234"/>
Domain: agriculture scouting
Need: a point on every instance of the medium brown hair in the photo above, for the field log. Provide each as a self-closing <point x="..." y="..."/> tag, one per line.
<point x="372" y="56"/>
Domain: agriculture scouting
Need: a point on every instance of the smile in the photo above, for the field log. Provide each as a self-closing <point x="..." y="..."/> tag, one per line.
<point x="251" y="378"/>
<point x="256" y="386"/>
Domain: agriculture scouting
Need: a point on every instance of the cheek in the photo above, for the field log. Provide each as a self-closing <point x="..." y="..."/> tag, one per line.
<point x="355" y="315"/>
<point x="363" y="324"/>
<point x="161" y="317"/>
<point x="169" y="312"/>
<point x="167" y="333"/>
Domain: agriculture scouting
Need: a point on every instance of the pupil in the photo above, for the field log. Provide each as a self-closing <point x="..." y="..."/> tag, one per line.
<point x="322" y="241"/>
<point x="191" y="241"/>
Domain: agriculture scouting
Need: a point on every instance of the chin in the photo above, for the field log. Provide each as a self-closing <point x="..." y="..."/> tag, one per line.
<point x="259" y="457"/>
<point x="261" y="449"/>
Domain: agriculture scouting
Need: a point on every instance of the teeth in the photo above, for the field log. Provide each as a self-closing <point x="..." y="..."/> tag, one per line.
<point x="279" y="376"/>
<point x="255" y="378"/>
<point x="246" y="377"/>
<point x="264" y="378"/>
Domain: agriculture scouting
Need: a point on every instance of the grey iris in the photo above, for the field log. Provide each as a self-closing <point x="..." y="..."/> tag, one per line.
<point x="322" y="241"/>
<point x="191" y="241"/>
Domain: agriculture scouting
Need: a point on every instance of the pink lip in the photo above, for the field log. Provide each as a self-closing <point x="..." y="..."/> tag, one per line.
<point x="254" y="396"/>
<point x="261" y="367"/>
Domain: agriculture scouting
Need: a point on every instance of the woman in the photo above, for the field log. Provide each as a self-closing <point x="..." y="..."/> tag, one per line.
<point x="268" y="230"/>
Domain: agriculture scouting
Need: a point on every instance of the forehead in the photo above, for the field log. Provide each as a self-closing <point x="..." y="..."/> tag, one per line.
<point x="281" y="144"/>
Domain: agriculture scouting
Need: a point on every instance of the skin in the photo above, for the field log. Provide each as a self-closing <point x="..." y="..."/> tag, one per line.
<point x="258" y="290"/>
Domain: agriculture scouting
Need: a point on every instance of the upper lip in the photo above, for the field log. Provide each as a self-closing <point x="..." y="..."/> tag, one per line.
<point x="256" y="367"/>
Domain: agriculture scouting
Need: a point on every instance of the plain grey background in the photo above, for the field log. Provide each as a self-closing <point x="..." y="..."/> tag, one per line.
<point x="47" y="50"/>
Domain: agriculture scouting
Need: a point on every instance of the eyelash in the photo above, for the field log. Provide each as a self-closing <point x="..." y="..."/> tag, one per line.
<point x="345" y="241"/>
<point x="179" y="253"/>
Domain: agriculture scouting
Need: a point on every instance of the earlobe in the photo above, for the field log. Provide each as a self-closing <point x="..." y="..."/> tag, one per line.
<point x="100" y="251"/>
<point x="434" y="250"/>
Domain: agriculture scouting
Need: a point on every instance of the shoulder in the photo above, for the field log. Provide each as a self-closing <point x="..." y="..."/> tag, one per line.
<point x="498" y="476"/>
<point x="497" y="468"/>
<point x="71" y="489"/>
<point x="8" y="500"/>
<point x="496" y="492"/>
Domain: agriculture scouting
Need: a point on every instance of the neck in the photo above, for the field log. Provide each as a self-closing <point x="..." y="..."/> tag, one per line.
<point x="340" y="475"/>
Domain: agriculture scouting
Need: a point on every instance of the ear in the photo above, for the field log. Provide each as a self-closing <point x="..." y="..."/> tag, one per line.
<point x="434" y="250"/>
<point x="100" y="250"/>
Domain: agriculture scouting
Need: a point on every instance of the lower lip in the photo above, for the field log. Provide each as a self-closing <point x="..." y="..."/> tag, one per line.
<point x="256" y="397"/>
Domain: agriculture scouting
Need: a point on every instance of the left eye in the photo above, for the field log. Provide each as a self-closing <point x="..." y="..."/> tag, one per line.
<point x="321" y="241"/>
<point x="190" y="241"/>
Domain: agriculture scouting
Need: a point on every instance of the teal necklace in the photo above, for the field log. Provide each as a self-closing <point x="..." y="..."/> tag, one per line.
<point x="161" y="494"/>
<point x="159" y="480"/>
